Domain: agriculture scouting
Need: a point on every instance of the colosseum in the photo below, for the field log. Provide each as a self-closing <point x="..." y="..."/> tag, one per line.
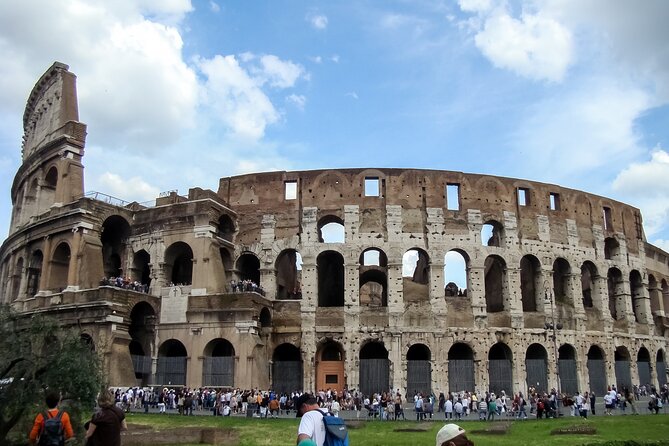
<point x="368" y="279"/>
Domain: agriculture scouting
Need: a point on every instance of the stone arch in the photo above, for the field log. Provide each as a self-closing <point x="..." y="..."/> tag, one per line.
<point x="226" y="228"/>
<point x="141" y="330"/>
<point x="288" y="274"/>
<point x="265" y="318"/>
<point x="114" y="236"/>
<point x="373" y="278"/>
<point x="330" y="366"/>
<point x="16" y="279"/>
<point x="219" y="364"/>
<point x="141" y="268"/>
<point x="87" y="340"/>
<point x="179" y="263"/>
<point x="567" y="367"/>
<point x="654" y="293"/>
<point x="374" y="368"/>
<point x="616" y="291"/>
<point x="597" y="370"/>
<point x="643" y="367"/>
<point x="59" y="267"/>
<point x="495" y="283"/>
<point x="492" y="234"/>
<point x="34" y="273"/>
<point x="611" y="248"/>
<point x="331" y="229"/>
<point x="461" y="374"/>
<point x="419" y="369"/>
<point x="330" y="266"/>
<point x="530" y="282"/>
<point x="248" y="267"/>
<point x="416" y="275"/>
<point x="500" y="368"/>
<point x="623" y="372"/>
<point x="561" y="276"/>
<point x="456" y="273"/>
<point x="171" y="366"/>
<point x="47" y="192"/>
<point x="536" y="366"/>
<point x="637" y="296"/>
<point x="287" y="369"/>
<point x="589" y="283"/>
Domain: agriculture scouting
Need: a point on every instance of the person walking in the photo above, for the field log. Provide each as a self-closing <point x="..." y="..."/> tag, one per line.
<point x="107" y="422"/>
<point x="51" y="423"/>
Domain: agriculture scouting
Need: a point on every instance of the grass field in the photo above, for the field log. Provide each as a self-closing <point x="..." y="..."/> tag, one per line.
<point x="282" y="432"/>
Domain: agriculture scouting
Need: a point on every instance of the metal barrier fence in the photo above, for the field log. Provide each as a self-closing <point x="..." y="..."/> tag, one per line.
<point x="218" y="371"/>
<point x="461" y="375"/>
<point x="500" y="375"/>
<point x="419" y="376"/>
<point x="537" y="374"/>
<point x="374" y="375"/>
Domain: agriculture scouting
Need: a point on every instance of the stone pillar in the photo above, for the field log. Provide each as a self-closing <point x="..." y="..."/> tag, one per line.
<point x="46" y="261"/>
<point x="476" y="294"/>
<point x="76" y="258"/>
<point x="512" y="298"/>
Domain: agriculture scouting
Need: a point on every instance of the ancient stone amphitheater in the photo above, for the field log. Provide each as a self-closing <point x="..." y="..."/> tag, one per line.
<point x="369" y="279"/>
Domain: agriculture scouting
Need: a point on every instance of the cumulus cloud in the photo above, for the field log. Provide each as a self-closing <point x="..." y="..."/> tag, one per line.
<point x="134" y="188"/>
<point x="318" y="21"/>
<point x="279" y="73"/>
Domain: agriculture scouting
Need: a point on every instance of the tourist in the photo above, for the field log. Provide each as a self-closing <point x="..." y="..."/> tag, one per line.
<point x="106" y="425"/>
<point x="452" y="435"/>
<point x="52" y="398"/>
<point x="311" y="424"/>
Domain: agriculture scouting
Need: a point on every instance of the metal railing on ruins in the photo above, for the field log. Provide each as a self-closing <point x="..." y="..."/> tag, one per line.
<point x="114" y="201"/>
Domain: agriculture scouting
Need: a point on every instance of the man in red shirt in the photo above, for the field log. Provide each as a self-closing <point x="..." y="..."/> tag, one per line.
<point x="52" y="399"/>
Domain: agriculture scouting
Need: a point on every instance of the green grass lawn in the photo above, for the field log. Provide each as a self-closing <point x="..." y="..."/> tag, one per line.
<point x="275" y="432"/>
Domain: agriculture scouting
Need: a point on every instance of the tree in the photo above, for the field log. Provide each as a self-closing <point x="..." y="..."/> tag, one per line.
<point x="36" y="354"/>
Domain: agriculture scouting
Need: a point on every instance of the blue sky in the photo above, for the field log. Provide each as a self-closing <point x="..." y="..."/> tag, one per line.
<point x="179" y="93"/>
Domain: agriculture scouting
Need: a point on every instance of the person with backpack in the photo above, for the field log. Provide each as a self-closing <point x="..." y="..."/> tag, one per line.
<point x="318" y="424"/>
<point x="51" y="427"/>
<point x="108" y="421"/>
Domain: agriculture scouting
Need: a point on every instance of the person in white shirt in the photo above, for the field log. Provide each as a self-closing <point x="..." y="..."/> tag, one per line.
<point x="311" y="425"/>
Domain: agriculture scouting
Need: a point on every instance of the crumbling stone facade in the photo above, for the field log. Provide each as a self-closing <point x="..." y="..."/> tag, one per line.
<point x="333" y="278"/>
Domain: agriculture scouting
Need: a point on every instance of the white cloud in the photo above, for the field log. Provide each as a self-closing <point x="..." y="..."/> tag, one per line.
<point x="533" y="46"/>
<point x="214" y="6"/>
<point x="318" y="21"/>
<point x="316" y="59"/>
<point x="298" y="100"/>
<point x="335" y="58"/>
<point x="352" y="94"/>
<point x="129" y="189"/>
<point x="279" y="73"/>
<point x="476" y="5"/>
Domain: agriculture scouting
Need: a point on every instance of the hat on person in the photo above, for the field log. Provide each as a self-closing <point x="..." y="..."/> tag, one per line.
<point x="299" y="401"/>
<point x="448" y="432"/>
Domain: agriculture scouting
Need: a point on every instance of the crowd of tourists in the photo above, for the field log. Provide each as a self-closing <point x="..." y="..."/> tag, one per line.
<point x="125" y="283"/>
<point x="246" y="286"/>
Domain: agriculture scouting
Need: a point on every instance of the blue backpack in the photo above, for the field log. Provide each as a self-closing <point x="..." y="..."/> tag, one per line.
<point x="336" y="433"/>
<point x="52" y="431"/>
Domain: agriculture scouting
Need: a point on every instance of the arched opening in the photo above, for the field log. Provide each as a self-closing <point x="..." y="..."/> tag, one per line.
<point x="219" y="364"/>
<point x="374" y="368"/>
<point x="611" y="248"/>
<point x="331" y="229"/>
<point x="179" y="264"/>
<point x="288" y="273"/>
<point x="567" y="369"/>
<point x="530" y="282"/>
<point x="500" y="368"/>
<point x="561" y="275"/>
<point x="637" y="291"/>
<point x="597" y="370"/>
<point x="589" y="282"/>
<point x="60" y="266"/>
<point x="461" y="368"/>
<point x="536" y="365"/>
<point x="47" y="193"/>
<point x="330" y="266"/>
<point x="623" y="373"/>
<point x="616" y="291"/>
<point x="330" y="367"/>
<point x="141" y="269"/>
<point x="492" y="234"/>
<point x="248" y="266"/>
<point x="226" y="261"/>
<point x="416" y="275"/>
<point x="34" y="273"/>
<point x="171" y="366"/>
<point x="495" y="284"/>
<point x="643" y="366"/>
<point x="419" y="370"/>
<point x="287" y="369"/>
<point x="265" y="318"/>
<point x="455" y="273"/>
<point x="655" y="294"/>
<point x="373" y="278"/>
<point x="226" y="228"/>
<point x="661" y="368"/>
<point x="87" y="340"/>
<point x="142" y="329"/>
<point x="115" y="232"/>
<point x="665" y="296"/>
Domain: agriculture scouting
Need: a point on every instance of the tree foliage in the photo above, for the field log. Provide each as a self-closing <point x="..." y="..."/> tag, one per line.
<point x="36" y="353"/>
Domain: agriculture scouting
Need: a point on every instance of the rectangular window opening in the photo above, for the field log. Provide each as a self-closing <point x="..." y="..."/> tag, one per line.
<point x="555" y="201"/>
<point x="523" y="196"/>
<point x="372" y="187"/>
<point x="453" y="197"/>
<point x="290" y="190"/>
<point x="331" y="379"/>
<point x="608" y="223"/>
